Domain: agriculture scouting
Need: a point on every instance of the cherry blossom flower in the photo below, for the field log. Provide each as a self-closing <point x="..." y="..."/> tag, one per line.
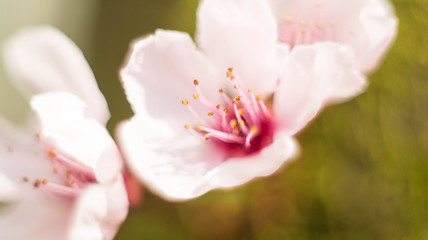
<point x="60" y="176"/>
<point x="367" y="26"/>
<point x="217" y="121"/>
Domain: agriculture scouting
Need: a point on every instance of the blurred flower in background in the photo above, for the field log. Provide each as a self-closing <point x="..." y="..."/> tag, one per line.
<point x="363" y="169"/>
<point x="61" y="175"/>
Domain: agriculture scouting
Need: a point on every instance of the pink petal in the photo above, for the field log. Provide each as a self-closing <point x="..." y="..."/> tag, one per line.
<point x="43" y="59"/>
<point x="240" y="34"/>
<point x="236" y="171"/>
<point x="171" y="163"/>
<point x="66" y="128"/>
<point x="34" y="216"/>
<point x="314" y="76"/>
<point x="99" y="212"/>
<point x="160" y="72"/>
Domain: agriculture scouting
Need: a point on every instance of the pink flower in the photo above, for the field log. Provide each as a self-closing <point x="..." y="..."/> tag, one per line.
<point x="204" y="121"/>
<point x="60" y="176"/>
<point x="367" y="26"/>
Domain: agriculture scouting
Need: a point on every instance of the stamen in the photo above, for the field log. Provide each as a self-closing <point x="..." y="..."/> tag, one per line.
<point x="253" y="133"/>
<point x="243" y="128"/>
<point x="185" y="102"/>
<point x="226" y="137"/>
<point x="195" y="96"/>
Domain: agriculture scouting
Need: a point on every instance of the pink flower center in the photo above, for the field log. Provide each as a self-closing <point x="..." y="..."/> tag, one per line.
<point x="295" y="32"/>
<point x="74" y="177"/>
<point x="242" y="125"/>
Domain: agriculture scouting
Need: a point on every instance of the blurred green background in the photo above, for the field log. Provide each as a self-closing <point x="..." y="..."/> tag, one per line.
<point x="363" y="171"/>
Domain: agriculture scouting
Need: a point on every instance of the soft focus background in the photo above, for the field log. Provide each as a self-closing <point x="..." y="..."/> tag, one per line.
<point x="363" y="172"/>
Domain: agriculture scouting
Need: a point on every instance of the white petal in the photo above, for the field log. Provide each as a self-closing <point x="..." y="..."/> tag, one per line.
<point x="184" y="167"/>
<point x="378" y="25"/>
<point x="99" y="212"/>
<point x="8" y="190"/>
<point x="43" y="59"/>
<point x="240" y="34"/>
<point x="66" y="128"/>
<point x="334" y="12"/>
<point x="23" y="156"/>
<point x="160" y="72"/>
<point x="367" y="26"/>
<point x="314" y="76"/>
<point x="171" y="164"/>
<point x="236" y="171"/>
<point x="34" y="216"/>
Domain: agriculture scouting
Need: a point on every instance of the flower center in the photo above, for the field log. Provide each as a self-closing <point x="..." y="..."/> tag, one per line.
<point x="295" y="32"/>
<point x="240" y="126"/>
<point x="74" y="177"/>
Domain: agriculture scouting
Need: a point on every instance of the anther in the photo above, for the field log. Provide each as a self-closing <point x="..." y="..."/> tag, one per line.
<point x="242" y="122"/>
<point x="71" y="182"/>
<point x="255" y="130"/>
<point x="45" y="181"/>
<point x="240" y="111"/>
<point x="198" y="127"/>
<point x="25" y="179"/>
<point x="226" y="110"/>
<point x="221" y="90"/>
<point x="210" y="113"/>
<point x="185" y="102"/>
<point x="233" y="123"/>
<point x="250" y="90"/>
<point x="195" y="96"/>
<point x="258" y="98"/>
<point x="195" y="82"/>
<point x="186" y="126"/>
<point x="218" y="106"/>
<point x="53" y="153"/>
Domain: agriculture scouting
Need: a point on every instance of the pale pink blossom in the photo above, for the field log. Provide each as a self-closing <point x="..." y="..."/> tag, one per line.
<point x="59" y="176"/>
<point x="367" y="26"/>
<point x="219" y="114"/>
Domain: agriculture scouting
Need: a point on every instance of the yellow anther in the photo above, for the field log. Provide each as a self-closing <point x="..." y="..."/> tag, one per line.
<point x="314" y="25"/>
<point x="255" y="129"/>
<point x="226" y="110"/>
<point x="71" y="182"/>
<point x="250" y="90"/>
<point x="242" y="123"/>
<point x="206" y="137"/>
<point x="221" y="90"/>
<point x="258" y="97"/>
<point x="186" y="126"/>
<point x="288" y="18"/>
<point x="233" y="123"/>
<point x="198" y="127"/>
<point x="218" y="106"/>
<point x="195" y="82"/>
<point x="195" y="96"/>
<point x="53" y="153"/>
<point x="185" y="102"/>
<point x="240" y="111"/>
<point x="229" y="72"/>
<point x="210" y="113"/>
<point x="44" y="181"/>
